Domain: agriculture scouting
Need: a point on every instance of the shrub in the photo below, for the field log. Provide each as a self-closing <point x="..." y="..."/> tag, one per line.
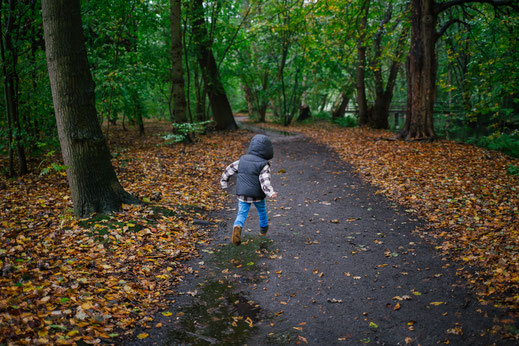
<point x="322" y="116"/>
<point x="185" y="132"/>
<point x="347" y="121"/>
<point x="508" y="144"/>
<point x="512" y="169"/>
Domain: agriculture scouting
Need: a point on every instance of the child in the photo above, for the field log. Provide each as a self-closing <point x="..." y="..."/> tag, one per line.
<point x="252" y="183"/>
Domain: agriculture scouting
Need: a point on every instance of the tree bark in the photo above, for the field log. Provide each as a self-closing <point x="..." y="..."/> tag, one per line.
<point x="421" y="68"/>
<point x="340" y="105"/>
<point x="177" y="72"/>
<point x="383" y="95"/>
<point x="262" y="99"/>
<point x="249" y="98"/>
<point x="93" y="183"/>
<point x="362" y="103"/>
<point x="220" y="105"/>
<point x="304" y="112"/>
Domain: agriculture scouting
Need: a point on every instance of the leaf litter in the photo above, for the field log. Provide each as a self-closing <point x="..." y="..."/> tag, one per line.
<point x="66" y="280"/>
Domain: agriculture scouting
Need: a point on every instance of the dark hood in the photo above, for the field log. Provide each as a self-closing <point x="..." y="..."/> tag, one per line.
<point x="260" y="145"/>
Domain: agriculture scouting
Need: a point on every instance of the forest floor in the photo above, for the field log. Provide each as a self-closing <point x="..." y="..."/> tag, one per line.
<point x="374" y="241"/>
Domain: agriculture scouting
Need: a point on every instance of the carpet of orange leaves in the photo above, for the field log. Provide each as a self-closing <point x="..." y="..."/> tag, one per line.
<point x="64" y="279"/>
<point x="464" y="192"/>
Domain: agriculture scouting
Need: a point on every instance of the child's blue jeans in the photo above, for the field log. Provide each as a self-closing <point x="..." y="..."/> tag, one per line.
<point x="243" y="211"/>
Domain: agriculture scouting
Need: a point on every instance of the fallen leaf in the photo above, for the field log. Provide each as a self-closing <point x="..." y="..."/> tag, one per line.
<point x="142" y="336"/>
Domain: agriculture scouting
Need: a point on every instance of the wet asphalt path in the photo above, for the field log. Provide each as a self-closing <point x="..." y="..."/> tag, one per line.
<point x="340" y="265"/>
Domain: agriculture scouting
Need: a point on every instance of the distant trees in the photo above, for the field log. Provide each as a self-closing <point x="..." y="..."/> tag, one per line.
<point x="197" y="60"/>
<point x="218" y="100"/>
<point x="15" y="26"/>
<point x="92" y="180"/>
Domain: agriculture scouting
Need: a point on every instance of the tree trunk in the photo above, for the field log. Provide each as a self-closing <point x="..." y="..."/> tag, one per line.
<point x="383" y="96"/>
<point x="93" y="184"/>
<point x="249" y="98"/>
<point x="323" y="103"/>
<point x="263" y="101"/>
<point x="199" y="96"/>
<point x="340" y="106"/>
<point x="362" y="103"/>
<point x="304" y="112"/>
<point x="220" y="105"/>
<point x="177" y="73"/>
<point x="421" y="68"/>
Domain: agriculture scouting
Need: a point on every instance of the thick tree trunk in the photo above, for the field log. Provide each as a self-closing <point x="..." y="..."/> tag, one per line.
<point x="177" y="72"/>
<point x="220" y="105"/>
<point x="421" y="68"/>
<point x="93" y="184"/>
<point x="362" y="103"/>
<point x="380" y="112"/>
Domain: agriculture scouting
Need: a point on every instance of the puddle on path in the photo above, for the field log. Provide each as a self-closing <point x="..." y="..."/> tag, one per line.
<point x="219" y="315"/>
<point x="221" y="312"/>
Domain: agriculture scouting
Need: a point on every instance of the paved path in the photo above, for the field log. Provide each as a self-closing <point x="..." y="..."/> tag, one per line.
<point x="340" y="265"/>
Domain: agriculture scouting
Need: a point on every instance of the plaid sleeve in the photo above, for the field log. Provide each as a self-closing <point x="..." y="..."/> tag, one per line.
<point x="264" y="179"/>
<point x="229" y="171"/>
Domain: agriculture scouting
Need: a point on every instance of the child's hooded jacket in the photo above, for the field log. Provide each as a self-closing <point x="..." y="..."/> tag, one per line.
<point x="250" y="166"/>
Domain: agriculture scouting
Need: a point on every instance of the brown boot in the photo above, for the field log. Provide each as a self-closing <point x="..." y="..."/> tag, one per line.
<point x="236" y="235"/>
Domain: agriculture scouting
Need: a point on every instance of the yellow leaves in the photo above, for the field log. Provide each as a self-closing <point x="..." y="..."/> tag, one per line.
<point x="249" y="321"/>
<point x="437" y="303"/>
<point x="167" y="313"/>
<point x="142" y="336"/>
<point x="88" y="305"/>
<point x="73" y="333"/>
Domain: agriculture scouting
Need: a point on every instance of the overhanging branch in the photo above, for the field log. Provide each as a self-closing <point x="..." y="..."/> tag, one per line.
<point x="447" y="25"/>
<point x="440" y="7"/>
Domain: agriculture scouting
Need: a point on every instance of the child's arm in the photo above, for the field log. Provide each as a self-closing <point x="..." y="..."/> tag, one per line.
<point x="229" y="172"/>
<point x="264" y="179"/>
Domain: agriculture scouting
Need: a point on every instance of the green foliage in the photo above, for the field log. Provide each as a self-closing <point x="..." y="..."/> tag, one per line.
<point x="50" y="165"/>
<point x="185" y="132"/>
<point x="508" y="144"/>
<point x="347" y="121"/>
<point x="512" y="170"/>
<point x="53" y="167"/>
<point x="322" y="116"/>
